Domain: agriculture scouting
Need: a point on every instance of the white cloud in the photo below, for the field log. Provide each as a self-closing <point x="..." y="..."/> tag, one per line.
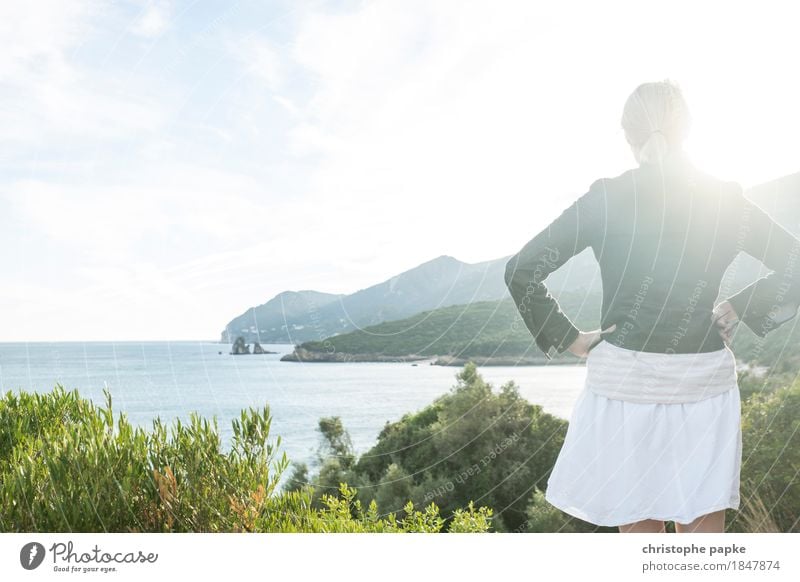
<point x="483" y="120"/>
<point x="260" y="59"/>
<point x="46" y="95"/>
<point x="161" y="188"/>
<point x="435" y="115"/>
<point x="34" y="37"/>
<point x="154" y="19"/>
<point x="108" y="221"/>
<point x="175" y="254"/>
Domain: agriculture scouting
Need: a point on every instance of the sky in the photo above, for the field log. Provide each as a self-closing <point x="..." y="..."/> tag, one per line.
<point x="164" y="165"/>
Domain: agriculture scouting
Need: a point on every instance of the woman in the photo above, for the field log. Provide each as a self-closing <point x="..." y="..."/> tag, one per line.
<point x="655" y="435"/>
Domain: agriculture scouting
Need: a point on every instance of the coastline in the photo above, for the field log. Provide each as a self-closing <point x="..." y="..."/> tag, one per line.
<point x="303" y="355"/>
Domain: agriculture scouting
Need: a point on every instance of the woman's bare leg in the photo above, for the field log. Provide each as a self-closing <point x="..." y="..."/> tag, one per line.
<point x="710" y="523"/>
<point x="644" y="526"/>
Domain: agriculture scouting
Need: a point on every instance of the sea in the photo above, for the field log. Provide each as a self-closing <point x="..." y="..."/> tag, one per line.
<point x="171" y="379"/>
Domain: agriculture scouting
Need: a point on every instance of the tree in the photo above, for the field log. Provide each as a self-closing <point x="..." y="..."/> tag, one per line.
<point x="470" y="444"/>
<point x="771" y="455"/>
<point x="335" y="459"/>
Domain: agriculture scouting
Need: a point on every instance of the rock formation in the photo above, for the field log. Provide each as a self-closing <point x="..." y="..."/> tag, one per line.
<point x="239" y="347"/>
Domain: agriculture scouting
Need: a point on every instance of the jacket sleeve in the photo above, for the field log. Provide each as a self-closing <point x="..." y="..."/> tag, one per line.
<point x="525" y="272"/>
<point x="772" y="300"/>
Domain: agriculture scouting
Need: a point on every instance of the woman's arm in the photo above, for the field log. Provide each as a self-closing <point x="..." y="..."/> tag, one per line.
<point x="565" y="237"/>
<point x="772" y="300"/>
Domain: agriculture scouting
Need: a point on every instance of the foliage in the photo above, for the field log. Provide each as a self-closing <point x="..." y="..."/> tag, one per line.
<point x="344" y="513"/>
<point x="481" y="329"/>
<point x="68" y="465"/>
<point x="779" y="350"/>
<point x="545" y="518"/>
<point x="428" y="455"/>
<point x="470" y="444"/>
<point x="495" y="329"/>
<point x="771" y="457"/>
<point x="335" y="460"/>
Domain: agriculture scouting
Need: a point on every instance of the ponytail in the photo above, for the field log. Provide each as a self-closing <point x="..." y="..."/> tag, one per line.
<point x="656" y="120"/>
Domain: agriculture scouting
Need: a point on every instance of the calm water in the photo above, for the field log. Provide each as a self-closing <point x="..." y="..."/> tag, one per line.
<point x="171" y="379"/>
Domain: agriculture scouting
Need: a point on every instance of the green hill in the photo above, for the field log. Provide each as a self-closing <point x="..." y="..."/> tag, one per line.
<point x="307" y="315"/>
<point x="490" y="332"/>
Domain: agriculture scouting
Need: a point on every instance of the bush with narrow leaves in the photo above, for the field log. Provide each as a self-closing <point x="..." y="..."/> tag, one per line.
<point x="67" y="464"/>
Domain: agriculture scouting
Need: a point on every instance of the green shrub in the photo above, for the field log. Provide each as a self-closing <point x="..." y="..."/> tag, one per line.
<point x="470" y="444"/>
<point x="67" y="465"/>
<point x="771" y="460"/>
<point x="426" y="456"/>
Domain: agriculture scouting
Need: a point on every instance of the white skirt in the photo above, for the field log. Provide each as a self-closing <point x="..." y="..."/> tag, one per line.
<point x="669" y="451"/>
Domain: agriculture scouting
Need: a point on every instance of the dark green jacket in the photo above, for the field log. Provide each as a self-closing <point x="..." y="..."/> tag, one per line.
<point x="663" y="235"/>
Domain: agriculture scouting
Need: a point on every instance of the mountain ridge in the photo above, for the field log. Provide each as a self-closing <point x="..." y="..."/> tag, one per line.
<point x="309" y="315"/>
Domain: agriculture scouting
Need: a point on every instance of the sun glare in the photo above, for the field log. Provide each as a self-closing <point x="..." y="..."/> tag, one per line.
<point x="746" y="137"/>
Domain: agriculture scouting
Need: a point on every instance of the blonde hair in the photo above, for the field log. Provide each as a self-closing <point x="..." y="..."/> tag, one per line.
<point x="656" y="120"/>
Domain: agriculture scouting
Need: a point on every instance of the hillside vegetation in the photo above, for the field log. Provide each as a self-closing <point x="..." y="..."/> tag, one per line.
<point x="487" y="329"/>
